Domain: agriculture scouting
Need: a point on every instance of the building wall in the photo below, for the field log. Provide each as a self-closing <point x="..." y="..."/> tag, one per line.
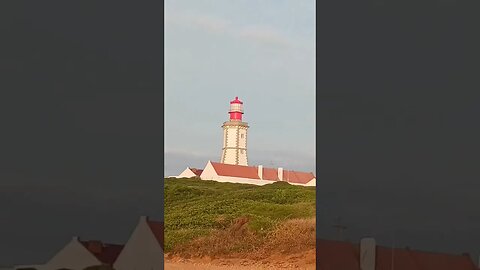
<point x="231" y="145"/>
<point x="73" y="256"/>
<point x="311" y="183"/>
<point x="242" y="144"/>
<point x="141" y="252"/>
<point x="225" y="137"/>
<point x="187" y="173"/>
<point x="232" y="138"/>
<point x="235" y="144"/>
<point x="239" y="180"/>
<point x="209" y="173"/>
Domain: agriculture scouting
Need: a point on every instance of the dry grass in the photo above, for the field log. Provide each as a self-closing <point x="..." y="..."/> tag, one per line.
<point x="237" y="240"/>
<point x="291" y="236"/>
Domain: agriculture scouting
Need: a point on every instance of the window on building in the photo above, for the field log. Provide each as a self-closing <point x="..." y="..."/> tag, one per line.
<point x="241" y="136"/>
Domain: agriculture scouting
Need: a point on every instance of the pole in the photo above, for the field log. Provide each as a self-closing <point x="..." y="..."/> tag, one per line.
<point x="393" y="250"/>
<point x="340" y="228"/>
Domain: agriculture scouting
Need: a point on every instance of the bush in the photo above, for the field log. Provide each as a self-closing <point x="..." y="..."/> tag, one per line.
<point x="199" y="212"/>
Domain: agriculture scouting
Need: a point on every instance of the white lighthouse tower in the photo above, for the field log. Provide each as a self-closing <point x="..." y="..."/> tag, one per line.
<point x="235" y="136"/>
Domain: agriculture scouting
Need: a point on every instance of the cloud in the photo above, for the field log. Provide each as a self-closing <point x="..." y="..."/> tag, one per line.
<point x="197" y="21"/>
<point x="264" y="35"/>
<point x="291" y="160"/>
<point x="177" y="161"/>
<point x="210" y="23"/>
<point x="260" y="34"/>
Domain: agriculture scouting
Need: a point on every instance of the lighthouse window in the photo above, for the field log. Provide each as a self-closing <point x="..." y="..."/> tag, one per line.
<point x="241" y="136"/>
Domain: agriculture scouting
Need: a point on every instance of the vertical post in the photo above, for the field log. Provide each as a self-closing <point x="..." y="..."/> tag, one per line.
<point x="260" y="172"/>
<point x="393" y="252"/>
<point x="340" y="228"/>
<point x="367" y="254"/>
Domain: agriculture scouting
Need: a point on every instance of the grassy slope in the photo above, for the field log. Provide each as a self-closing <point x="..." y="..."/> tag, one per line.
<point x="196" y="208"/>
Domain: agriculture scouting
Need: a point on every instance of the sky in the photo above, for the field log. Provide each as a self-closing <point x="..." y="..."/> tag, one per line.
<point x="261" y="51"/>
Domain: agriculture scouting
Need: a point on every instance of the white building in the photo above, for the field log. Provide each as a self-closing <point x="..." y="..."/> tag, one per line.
<point x="233" y="166"/>
<point x="144" y="249"/>
<point x="255" y="175"/>
<point x="78" y="255"/>
<point x="190" y="172"/>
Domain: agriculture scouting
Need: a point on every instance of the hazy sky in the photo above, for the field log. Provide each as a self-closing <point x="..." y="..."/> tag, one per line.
<point x="261" y="51"/>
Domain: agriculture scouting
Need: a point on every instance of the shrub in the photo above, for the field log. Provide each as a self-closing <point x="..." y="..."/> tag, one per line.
<point x="199" y="213"/>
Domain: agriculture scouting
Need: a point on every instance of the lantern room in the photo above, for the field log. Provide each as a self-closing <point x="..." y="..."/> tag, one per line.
<point x="236" y="110"/>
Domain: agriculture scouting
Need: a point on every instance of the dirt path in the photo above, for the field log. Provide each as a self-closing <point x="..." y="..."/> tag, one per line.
<point x="304" y="261"/>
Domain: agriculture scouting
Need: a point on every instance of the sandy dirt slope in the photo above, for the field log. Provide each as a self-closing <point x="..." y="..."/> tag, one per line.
<point x="305" y="260"/>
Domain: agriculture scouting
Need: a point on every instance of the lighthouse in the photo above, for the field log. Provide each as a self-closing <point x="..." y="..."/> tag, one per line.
<point x="234" y="149"/>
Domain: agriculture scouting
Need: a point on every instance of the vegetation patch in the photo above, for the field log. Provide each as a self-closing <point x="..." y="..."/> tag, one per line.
<point x="211" y="218"/>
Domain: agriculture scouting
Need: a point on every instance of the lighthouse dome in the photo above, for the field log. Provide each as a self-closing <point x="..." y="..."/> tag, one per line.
<point x="236" y="101"/>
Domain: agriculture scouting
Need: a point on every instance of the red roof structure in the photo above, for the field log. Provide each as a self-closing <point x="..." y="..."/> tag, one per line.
<point x="297" y="177"/>
<point x="196" y="171"/>
<point x="430" y="260"/>
<point x="157" y="228"/>
<point x="235" y="170"/>
<point x="105" y="253"/>
<point x="270" y="174"/>
<point x="336" y="255"/>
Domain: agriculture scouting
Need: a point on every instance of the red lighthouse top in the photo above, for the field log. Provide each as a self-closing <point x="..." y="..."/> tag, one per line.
<point x="236" y="100"/>
<point x="236" y="110"/>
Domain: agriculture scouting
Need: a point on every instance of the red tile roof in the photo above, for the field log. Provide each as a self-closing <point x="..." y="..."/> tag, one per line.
<point x="157" y="228"/>
<point x="428" y="260"/>
<point x="402" y="259"/>
<point x="297" y="177"/>
<point x="270" y="174"/>
<point x="105" y="253"/>
<point x="196" y="171"/>
<point x="235" y="170"/>
<point x="335" y="255"/>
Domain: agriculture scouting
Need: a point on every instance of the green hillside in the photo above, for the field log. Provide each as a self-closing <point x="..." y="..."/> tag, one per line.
<point x="196" y="207"/>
